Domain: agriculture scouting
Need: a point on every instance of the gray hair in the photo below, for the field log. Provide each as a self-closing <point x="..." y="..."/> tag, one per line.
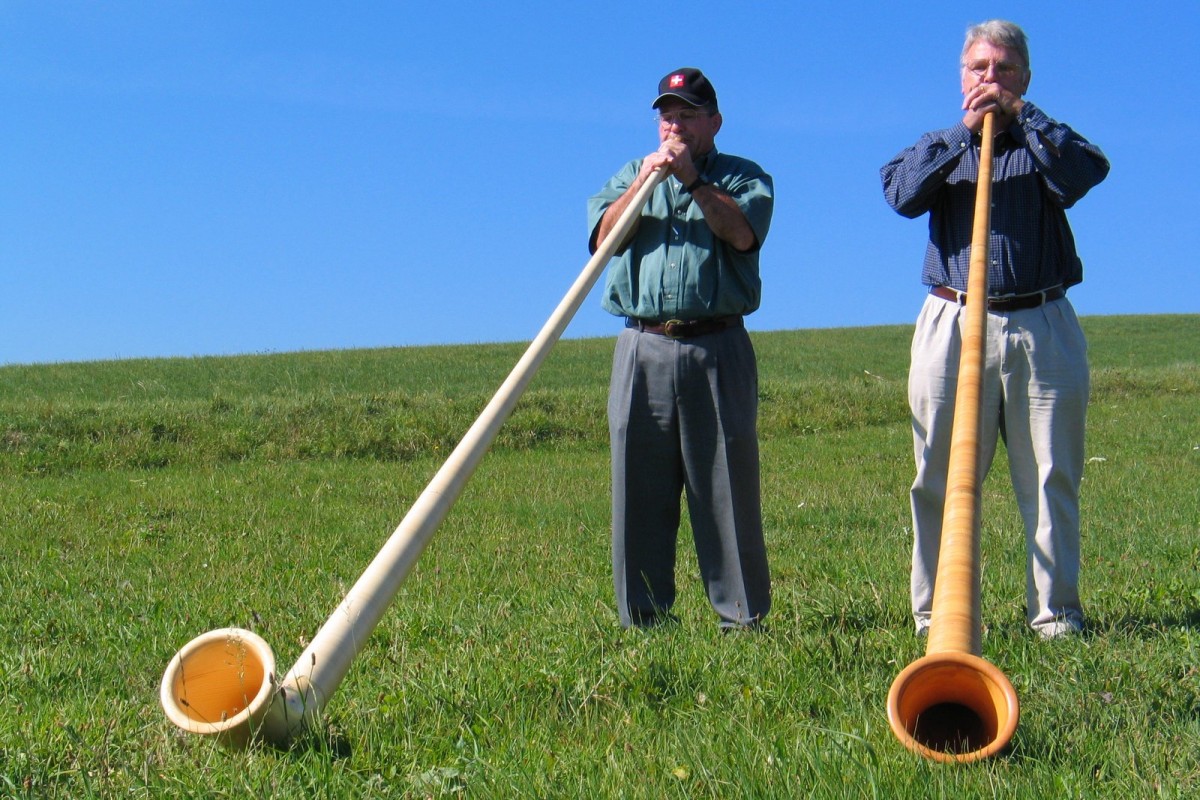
<point x="1000" y="33"/>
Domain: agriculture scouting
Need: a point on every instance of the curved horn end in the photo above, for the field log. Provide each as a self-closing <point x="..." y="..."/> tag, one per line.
<point x="952" y="706"/>
<point x="220" y="684"/>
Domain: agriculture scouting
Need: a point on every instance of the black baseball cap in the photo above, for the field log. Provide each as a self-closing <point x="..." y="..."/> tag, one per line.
<point x="689" y="85"/>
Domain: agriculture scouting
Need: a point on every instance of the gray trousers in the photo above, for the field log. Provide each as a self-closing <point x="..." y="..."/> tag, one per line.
<point x="683" y="417"/>
<point x="1035" y="395"/>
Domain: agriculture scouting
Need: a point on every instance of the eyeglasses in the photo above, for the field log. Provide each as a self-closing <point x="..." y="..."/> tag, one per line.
<point x="684" y="116"/>
<point x="1001" y="69"/>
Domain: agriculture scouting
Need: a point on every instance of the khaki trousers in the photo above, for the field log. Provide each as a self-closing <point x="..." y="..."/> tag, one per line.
<point x="1035" y="395"/>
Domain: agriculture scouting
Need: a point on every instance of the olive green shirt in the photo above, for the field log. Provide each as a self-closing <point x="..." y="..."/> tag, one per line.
<point x="674" y="267"/>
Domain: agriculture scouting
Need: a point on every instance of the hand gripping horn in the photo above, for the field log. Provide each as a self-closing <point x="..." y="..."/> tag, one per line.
<point x="223" y="683"/>
<point x="951" y="704"/>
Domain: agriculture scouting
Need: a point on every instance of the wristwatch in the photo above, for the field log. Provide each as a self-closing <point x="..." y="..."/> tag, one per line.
<point x="701" y="180"/>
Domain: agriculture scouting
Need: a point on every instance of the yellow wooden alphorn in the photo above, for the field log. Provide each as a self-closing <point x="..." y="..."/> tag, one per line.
<point x="223" y="683"/>
<point x="951" y="704"/>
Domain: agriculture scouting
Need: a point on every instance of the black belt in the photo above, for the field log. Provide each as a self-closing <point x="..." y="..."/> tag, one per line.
<point x="1016" y="302"/>
<point x="685" y="328"/>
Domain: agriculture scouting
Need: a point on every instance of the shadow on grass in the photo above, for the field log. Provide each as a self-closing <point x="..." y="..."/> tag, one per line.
<point x="1146" y="626"/>
<point x="326" y="740"/>
<point x="1127" y="624"/>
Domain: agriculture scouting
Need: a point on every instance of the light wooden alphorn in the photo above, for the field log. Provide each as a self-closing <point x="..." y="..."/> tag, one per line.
<point x="951" y="704"/>
<point x="223" y="683"/>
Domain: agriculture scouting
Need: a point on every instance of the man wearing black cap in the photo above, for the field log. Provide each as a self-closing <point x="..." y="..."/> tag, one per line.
<point x="683" y="399"/>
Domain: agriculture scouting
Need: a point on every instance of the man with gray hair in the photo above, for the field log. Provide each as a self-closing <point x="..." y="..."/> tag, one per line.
<point x="1036" y="381"/>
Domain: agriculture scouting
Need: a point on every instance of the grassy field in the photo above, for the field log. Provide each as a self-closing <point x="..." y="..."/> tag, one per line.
<point x="147" y="501"/>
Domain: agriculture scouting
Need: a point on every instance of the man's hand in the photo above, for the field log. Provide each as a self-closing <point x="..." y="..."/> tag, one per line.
<point x="986" y="97"/>
<point x="674" y="158"/>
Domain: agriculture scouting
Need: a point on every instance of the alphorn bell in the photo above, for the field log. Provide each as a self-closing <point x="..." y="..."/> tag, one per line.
<point x="223" y="683"/>
<point x="951" y="704"/>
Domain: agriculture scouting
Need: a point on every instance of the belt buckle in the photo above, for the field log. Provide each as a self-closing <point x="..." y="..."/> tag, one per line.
<point x="673" y="329"/>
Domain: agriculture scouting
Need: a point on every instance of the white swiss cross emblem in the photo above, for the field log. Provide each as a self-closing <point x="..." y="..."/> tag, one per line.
<point x="676" y="81"/>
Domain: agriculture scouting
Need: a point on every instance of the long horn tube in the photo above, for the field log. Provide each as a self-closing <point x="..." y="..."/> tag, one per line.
<point x="951" y="704"/>
<point x="223" y="683"/>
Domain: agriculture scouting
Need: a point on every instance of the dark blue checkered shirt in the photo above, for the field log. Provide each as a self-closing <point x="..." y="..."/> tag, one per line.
<point x="1040" y="169"/>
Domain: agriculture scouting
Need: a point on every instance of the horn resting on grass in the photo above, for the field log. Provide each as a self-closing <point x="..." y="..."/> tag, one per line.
<point x="951" y="704"/>
<point x="224" y="683"/>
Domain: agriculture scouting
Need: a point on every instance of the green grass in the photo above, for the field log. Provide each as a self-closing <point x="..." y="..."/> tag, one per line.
<point x="147" y="501"/>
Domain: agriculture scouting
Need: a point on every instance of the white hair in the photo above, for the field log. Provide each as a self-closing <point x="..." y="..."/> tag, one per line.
<point x="1000" y="33"/>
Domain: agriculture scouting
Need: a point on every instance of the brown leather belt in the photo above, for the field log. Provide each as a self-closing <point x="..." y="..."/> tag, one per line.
<point x="1016" y="302"/>
<point x="685" y="329"/>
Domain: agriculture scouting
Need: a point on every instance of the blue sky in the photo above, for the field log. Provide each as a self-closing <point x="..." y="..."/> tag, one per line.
<point x="211" y="178"/>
